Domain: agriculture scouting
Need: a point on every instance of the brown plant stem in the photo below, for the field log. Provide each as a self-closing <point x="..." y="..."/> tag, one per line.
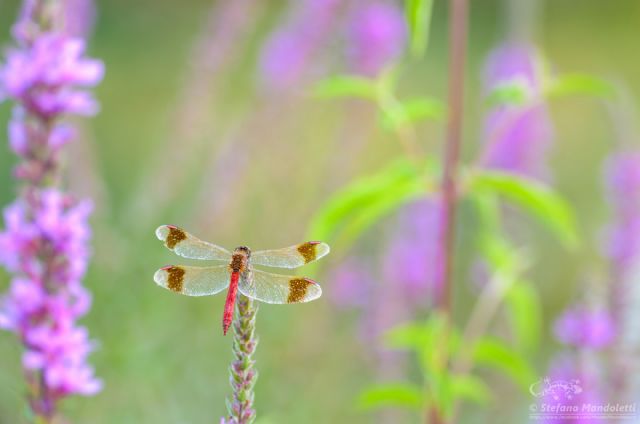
<point x="458" y="36"/>
<point x="458" y="10"/>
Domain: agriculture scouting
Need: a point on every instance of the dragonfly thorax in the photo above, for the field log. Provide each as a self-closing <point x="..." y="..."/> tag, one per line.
<point x="240" y="259"/>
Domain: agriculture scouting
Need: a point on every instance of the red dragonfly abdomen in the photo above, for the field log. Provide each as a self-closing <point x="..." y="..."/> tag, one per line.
<point x="227" y="316"/>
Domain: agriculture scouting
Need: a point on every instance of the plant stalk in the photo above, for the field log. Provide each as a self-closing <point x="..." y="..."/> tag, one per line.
<point x="458" y="37"/>
<point x="458" y="11"/>
<point x="243" y="375"/>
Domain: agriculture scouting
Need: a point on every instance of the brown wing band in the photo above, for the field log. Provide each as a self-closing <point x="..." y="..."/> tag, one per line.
<point x="175" y="279"/>
<point x="176" y="235"/>
<point x="298" y="289"/>
<point x="308" y="251"/>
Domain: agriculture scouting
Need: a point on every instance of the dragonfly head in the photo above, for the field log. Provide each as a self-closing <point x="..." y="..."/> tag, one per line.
<point x="243" y="250"/>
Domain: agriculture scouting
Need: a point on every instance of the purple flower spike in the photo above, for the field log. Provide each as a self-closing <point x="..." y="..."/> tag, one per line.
<point x="377" y="36"/>
<point x="43" y="305"/>
<point x="584" y="328"/>
<point x="45" y="242"/>
<point x="517" y="135"/>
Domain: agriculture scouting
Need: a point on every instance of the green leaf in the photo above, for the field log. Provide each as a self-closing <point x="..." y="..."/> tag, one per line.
<point x="418" y="14"/>
<point x="357" y="194"/>
<point x="534" y="197"/>
<point x="495" y="353"/>
<point x="392" y="394"/>
<point x="387" y="202"/>
<point x="352" y="210"/>
<point x="346" y="86"/>
<point x="470" y="388"/>
<point x="525" y="315"/>
<point x="569" y="84"/>
<point x="410" y="111"/>
<point x="509" y="93"/>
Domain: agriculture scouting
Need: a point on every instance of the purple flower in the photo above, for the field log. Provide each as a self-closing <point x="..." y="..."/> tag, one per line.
<point x="352" y="284"/>
<point x="517" y="135"/>
<point x="622" y="174"/>
<point x="376" y="37"/>
<point x="513" y="62"/>
<point x="411" y="258"/>
<point x="284" y="58"/>
<point x="58" y="224"/>
<point x="581" y="327"/>
<point x="44" y="76"/>
<point x="569" y="385"/>
<point x="288" y="53"/>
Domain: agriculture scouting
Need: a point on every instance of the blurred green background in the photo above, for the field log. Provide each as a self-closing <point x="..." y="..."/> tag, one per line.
<point x="252" y="169"/>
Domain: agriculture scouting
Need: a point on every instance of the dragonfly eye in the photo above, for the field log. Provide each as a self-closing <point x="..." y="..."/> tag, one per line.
<point x="243" y="249"/>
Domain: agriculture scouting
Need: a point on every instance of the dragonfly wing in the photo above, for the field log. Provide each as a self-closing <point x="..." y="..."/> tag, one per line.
<point x="193" y="280"/>
<point x="292" y="256"/>
<point x="189" y="246"/>
<point x="275" y="288"/>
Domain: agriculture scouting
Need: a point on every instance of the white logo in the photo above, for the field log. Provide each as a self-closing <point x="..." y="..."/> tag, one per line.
<point x="557" y="389"/>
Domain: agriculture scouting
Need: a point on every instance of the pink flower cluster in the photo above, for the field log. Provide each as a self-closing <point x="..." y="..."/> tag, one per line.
<point x="582" y="327"/>
<point x="622" y="174"/>
<point x="43" y="78"/>
<point x="517" y="135"/>
<point x="45" y="243"/>
<point x="377" y="36"/>
<point x="374" y="33"/>
<point x="47" y="251"/>
<point x="289" y="50"/>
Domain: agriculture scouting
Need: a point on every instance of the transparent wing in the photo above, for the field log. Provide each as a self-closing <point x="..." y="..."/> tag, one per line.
<point x="292" y="256"/>
<point x="193" y="280"/>
<point x="274" y="288"/>
<point x="188" y="246"/>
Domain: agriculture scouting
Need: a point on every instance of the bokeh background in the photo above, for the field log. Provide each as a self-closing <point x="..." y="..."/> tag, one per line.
<point x="200" y="127"/>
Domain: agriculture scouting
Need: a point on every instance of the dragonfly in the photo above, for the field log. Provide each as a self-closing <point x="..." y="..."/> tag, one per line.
<point x="238" y="274"/>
